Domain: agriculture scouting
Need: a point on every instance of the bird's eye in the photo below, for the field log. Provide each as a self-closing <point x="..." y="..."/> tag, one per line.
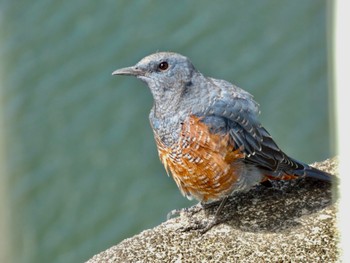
<point x="163" y="65"/>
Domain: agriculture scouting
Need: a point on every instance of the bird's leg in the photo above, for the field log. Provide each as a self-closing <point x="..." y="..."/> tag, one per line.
<point x="200" y="225"/>
<point x="215" y="220"/>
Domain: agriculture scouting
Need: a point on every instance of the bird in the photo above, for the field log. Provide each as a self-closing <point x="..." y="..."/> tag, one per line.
<point x="208" y="134"/>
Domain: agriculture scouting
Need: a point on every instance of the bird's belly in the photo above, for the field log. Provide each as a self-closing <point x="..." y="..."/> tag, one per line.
<point x="204" y="165"/>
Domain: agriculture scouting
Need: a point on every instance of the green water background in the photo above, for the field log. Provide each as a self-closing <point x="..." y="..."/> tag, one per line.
<point x="80" y="171"/>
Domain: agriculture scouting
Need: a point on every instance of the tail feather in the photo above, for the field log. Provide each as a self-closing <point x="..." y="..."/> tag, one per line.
<point x="305" y="170"/>
<point x="299" y="170"/>
<point x="317" y="174"/>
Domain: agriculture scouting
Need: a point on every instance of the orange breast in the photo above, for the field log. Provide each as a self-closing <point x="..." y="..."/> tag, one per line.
<point x="204" y="165"/>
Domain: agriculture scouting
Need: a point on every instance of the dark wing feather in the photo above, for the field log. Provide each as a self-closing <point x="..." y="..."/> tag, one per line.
<point x="259" y="148"/>
<point x="238" y="116"/>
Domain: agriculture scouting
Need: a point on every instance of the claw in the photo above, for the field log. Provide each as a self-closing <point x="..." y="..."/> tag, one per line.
<point x="197" y="225"/>
<point x="210" y="225"/>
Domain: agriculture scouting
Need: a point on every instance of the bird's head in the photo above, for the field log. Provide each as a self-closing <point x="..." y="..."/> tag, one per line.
<point x="167" y="74"/>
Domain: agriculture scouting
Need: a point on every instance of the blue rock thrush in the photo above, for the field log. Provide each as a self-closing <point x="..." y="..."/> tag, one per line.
<point x="208" y="134"/>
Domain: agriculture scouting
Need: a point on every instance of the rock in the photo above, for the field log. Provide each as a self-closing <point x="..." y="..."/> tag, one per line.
<point x="291" y="221"/>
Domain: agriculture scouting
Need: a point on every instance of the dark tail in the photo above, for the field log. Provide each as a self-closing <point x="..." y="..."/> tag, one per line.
<point x="305" y="170"/>
<point x="317" y="174"/>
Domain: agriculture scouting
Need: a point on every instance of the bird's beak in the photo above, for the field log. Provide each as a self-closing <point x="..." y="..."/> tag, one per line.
<point x="131" y="71"/>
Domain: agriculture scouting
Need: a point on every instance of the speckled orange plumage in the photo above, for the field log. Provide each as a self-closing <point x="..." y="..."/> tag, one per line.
<point x="204" y="165"/>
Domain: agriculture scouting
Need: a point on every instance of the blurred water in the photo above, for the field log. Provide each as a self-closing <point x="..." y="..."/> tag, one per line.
<point x="82" y="171"/>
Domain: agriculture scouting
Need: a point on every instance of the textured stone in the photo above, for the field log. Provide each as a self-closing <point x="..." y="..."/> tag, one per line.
<point x="292" y="221"/>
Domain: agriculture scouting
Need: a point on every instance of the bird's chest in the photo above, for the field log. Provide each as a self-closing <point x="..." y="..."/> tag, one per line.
<point x="166" y="130"/>
<point x="202" y="164"/>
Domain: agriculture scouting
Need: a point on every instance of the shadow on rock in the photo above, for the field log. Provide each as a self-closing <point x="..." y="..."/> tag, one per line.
<point x="278" y="207"/>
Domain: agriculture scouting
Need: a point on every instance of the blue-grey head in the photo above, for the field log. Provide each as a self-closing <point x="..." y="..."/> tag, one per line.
<point x="167" y="74"/>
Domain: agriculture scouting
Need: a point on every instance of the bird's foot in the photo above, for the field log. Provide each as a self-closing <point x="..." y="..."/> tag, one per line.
<point x="200" y="226"/>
